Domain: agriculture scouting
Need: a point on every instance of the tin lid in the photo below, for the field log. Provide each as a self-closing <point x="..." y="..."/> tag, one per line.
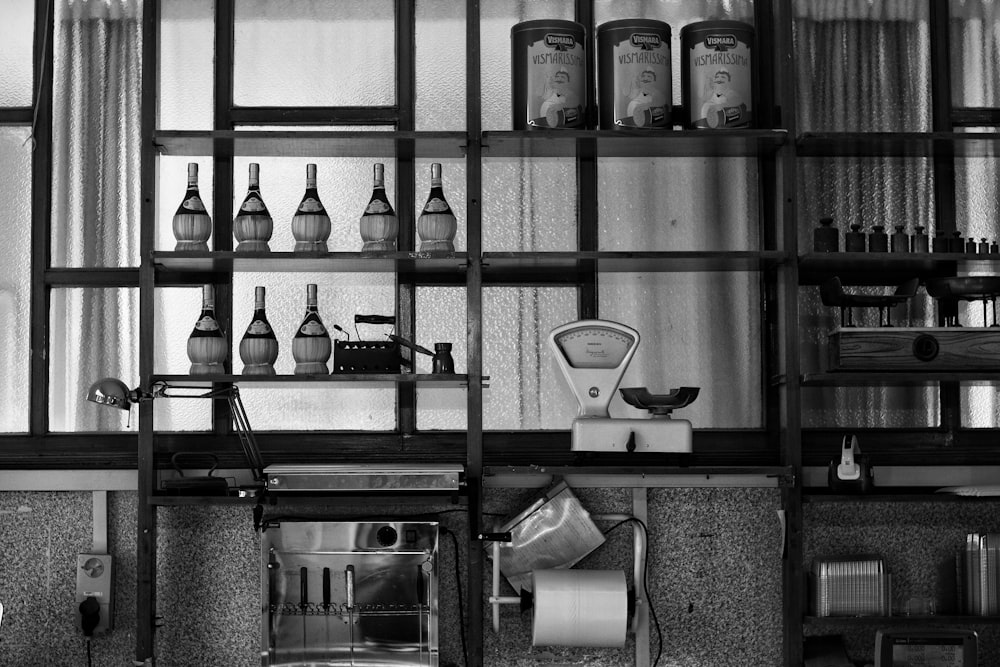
<point x="547" y="24"/>
<point x="716" y="25"/>
<point x="644" y="24"/>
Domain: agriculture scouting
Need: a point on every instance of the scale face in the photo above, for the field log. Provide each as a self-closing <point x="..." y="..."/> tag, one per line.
<point x="593" y="356"/>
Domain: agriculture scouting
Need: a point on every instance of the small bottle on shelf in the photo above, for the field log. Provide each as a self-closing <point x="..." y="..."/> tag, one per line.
<point x="921" y="242"/>
<point x="379" y="225"/>
<point x="259" y="347"/>
<point x="311" y="346"/>
<point x="436" y="225"/>
<point x="878" y="240"/>
<point x="207" y="347"/>
<point x="826" y="237"/>
<point x="253" y="225"/>
<point x="854" y="240"/>
<point x="311" y="224"/>
<point x="192" y="224"/>
<point x="900" y="239"/>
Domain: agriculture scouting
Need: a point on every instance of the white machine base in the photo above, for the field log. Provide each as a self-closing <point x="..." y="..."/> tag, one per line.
<point x="671" y="436"/>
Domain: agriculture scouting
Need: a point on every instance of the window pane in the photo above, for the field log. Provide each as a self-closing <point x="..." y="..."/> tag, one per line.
<point x="96" y="134"/>
<point x="526" y="390"/>
<point x="441" y="318"/>
<point x="683" y="321"/>
<point x="341" y="297"/>
<point x="94" y="334"/>
<point x="187" y="71"/>
<point x="974" y="53"/>
<point x="16" y="52"/>
<point x="529" y="205"/>
<point x="440" y="65"/>
<point x="15" y="278"/>
<point x="862" y="66"/>
<point x="314" y="53"/>
<point x="678" y="204"/>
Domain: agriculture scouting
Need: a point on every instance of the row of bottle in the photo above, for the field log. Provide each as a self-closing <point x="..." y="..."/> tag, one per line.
<point x="826" y="238"/>
<point x="310" y="225"/>
<point x="207" y="346"/>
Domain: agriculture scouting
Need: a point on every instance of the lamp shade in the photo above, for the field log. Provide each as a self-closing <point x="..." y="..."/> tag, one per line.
<point x="111" y="391"/>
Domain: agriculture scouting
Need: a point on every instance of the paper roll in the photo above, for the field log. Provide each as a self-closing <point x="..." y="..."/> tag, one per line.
<point x="579" y="608"/>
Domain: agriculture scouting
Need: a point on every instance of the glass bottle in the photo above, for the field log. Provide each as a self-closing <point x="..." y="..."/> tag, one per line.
<point x="259" y="347"/>
<point x="311" y="346"/>
<point x="436" y="225"/>
<point x="253" y="225"/>
<point x="207" y="346"/>
<point x="192" y="224"/>
<point x="310" y="224"/>
<point x="379" y="225"/>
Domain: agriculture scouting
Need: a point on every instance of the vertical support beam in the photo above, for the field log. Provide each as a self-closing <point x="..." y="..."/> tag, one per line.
<point x="586" y="177"/>
<point x="406" y="314"/>
<point x="145" y="606"/>
<point x="41" y="212"/>
<point x="474" y="332"/>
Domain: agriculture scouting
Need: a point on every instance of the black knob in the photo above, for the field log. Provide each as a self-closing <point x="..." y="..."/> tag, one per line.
<point x="386" y="536"/>
<point x="925" y="347"/>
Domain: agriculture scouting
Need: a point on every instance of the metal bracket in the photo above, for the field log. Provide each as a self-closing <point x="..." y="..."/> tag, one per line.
<point x="494" y="537"/>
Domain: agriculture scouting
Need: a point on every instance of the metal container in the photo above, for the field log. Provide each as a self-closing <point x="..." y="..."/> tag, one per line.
<point x="349" y="593"/>
<point x="633" y="70"/>
<point x="717" y="74"/>
<point x="548" y="75"/>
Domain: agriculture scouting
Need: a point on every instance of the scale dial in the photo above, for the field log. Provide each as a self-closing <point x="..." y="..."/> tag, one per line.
<point x="594" y="346"/>
<point x="593" y="356"/>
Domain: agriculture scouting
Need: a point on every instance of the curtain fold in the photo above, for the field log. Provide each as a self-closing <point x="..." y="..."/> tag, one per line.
<point x="95" y="211"/>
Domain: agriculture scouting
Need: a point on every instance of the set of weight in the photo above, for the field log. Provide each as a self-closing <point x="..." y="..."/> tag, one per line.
<point x="310" y="225"/>
<point x="826" y="238"/>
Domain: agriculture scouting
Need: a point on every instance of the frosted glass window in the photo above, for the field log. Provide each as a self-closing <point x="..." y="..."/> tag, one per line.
<point x="977" y="206"/>
<point x="441" y="318"/>
<point x="18" y="18"/>
<point x="696" y="329"/>
<point x="866" y="192"/>
<point x="441" y="57"/>
<point x="678" y="204"/>
<point x="526" y="388"/>
<point x="94" y="333"/>
<point x="862" y="66"/>
<point x="95" y="134"/>
<point x="15" y="278"/>
<point x="340" y="298"/>
<point x="975" y="47"/>
<point x="529" y="205"/>
<point x="187" y="71"/>
<point x="314" y="53"/>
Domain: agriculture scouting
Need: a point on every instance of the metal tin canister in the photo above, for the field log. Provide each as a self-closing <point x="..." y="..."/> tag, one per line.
<point x="548" y="75"/>
<point x="633" y="73"/>
<point x="717" y="83"/>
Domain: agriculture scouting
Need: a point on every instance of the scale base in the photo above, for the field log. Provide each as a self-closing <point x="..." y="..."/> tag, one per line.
<point x="612" y="434"/>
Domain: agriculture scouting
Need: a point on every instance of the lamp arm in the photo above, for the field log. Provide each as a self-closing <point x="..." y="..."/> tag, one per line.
<point x="247" y="438"/>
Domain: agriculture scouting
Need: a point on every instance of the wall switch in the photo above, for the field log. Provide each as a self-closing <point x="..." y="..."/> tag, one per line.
<point x="93" y="580"/>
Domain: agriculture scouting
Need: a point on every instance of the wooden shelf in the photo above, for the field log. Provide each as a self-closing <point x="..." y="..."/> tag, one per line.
<point x="632" y="143"/>
<point x="356" y="380"/>
<point x="891" y="494"/>
<point x="311" y="143"/>
<point x="890" y="379"/>
<point x="886" y="268"/>
<point x="343" y="262"/>
<point x="567" y="266"/>
<point x="353" y="499"/>
<point x="936" y="620"/>
<point x="898" y="144"/>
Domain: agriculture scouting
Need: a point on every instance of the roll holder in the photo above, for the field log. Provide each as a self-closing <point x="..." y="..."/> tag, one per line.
<point x="525" y="599"/>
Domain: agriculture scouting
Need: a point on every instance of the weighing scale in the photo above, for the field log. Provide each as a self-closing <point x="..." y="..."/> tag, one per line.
<point x="593" y="356"/>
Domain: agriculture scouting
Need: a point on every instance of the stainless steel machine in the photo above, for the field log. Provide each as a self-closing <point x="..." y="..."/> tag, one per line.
<point x="349" y="593"/>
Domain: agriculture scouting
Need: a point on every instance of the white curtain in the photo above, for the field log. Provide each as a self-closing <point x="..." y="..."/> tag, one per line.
<point x="95" y="217"/>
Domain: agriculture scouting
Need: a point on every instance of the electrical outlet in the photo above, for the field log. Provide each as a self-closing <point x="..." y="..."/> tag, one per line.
<point x="93" y="580"/>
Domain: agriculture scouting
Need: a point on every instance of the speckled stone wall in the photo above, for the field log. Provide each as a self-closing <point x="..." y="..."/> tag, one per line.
<point x="917" y="540"/>
<point x="714" y="575"/>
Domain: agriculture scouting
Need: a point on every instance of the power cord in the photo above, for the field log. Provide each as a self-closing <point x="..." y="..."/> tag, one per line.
<point x="90" y="618"/>
<point x="645" y="585"/>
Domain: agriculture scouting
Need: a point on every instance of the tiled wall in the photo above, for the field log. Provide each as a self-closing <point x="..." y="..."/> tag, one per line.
<point x="714" y="574"/>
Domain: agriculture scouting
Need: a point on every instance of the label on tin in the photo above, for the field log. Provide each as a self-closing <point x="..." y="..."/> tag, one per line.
<point x="720" y="80"/>
<point x="556" y="81"/>
<point x="642" y="80"/>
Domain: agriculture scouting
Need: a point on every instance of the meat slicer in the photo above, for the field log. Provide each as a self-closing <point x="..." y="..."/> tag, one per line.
<point x="593" y="356"/>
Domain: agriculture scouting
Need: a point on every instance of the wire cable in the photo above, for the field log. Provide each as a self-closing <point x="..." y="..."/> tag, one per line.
<point x="461" y="604"/>
<point x="645" y="584"/>
<point x="90" y="662"/>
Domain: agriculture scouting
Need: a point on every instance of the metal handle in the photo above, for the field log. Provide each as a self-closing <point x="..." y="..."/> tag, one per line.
<point x="326" y="589"/>
<point x="375" y="319"/>
<point x="349" y="584"/>
<point x="303" y="587"/>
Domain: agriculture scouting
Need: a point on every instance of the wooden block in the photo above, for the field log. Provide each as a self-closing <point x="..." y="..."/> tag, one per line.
<point x="915" y="349"/>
